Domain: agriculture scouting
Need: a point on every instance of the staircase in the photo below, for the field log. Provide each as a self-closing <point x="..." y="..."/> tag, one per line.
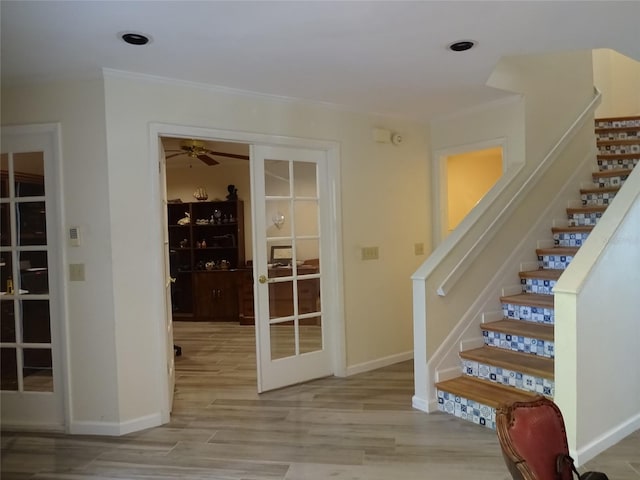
<point x="516" y="361"/>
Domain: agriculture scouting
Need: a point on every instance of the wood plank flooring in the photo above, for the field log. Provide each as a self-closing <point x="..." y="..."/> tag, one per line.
<point x="356" y="428"/>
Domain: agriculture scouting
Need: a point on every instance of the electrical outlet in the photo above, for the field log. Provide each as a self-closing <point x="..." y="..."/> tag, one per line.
<point x="418" y="248"/>
<point x="369" y="253"/>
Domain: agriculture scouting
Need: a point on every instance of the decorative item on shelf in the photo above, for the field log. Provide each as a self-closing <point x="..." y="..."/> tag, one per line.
<point x="231" y="218"/>
<point x="233" y="193"/>
<point x="225" y="219"/>
<point x="203" y="244"/>
<point x="184" y="243"/>
<point x="217" y="215"/>
<point x="202" y="221"/>
<point x="200" y="194"/>
<point x="210" y="265"/>
<point x="278" y="220"/>
<point x="198" y="244"/>
<point x="186" y="220"/>
<point x="224" y="264"/>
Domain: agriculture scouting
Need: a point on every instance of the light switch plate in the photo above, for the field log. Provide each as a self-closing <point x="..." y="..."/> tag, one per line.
<point x="369" y="253"/>
<point x="76" y="272"/>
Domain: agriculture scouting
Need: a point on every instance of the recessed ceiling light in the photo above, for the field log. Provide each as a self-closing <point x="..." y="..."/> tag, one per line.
<point x="461" y="45"/>
<point x="135" y="38"/>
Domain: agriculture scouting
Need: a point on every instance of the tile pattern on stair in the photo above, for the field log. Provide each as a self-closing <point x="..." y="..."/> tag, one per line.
<point x="519" y="343"/>
<point x="519" y="350"/>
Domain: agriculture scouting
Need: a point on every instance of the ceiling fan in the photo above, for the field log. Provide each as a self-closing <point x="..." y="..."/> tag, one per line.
<point x="196" y="149"/>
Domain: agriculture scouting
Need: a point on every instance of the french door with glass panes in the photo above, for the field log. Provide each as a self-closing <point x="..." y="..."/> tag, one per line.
<point x="290" y="204"/>
<point x="29" y="266"/>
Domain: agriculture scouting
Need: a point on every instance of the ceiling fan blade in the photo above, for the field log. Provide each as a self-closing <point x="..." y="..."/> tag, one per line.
<point x="229" y="155"/>
<point x="174" y="155"/>
<point x="208" y="160"/>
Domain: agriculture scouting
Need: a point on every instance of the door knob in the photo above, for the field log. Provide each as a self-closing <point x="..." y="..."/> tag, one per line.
<point x="262" y="279"/>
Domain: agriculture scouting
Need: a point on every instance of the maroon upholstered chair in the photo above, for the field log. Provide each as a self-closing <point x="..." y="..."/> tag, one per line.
<point x="532" y="435"/>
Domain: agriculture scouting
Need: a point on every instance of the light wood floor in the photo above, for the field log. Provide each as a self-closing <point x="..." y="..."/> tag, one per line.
<point x="356" y="428"/>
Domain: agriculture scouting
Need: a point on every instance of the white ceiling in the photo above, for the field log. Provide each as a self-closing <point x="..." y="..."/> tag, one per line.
<point x="386" y="57"/>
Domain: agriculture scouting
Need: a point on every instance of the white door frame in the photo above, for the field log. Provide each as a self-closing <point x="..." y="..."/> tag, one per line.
<point x="334" y="290"/>
<point x="440" y="179"/>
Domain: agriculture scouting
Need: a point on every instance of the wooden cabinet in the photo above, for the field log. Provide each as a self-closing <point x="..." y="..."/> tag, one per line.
<point x="206" y="241"/>
<point x="216" y="296"/>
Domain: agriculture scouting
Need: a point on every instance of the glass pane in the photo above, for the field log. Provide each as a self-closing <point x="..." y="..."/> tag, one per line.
<point x="34" y="274"/>
<point x="37" y="370"/>
<point x="280" y="299"/>
<point x="32" y="223"/>
<point x="7" y="322"/>
<point x="5" y="221"/>
<point x="28" y="174"/>
<point x="304" y="179"/>
<point x="306" y="220"/>
<point x="276" y="178"/>
<point x="6" y="276"/>
<point x="278" y="217"/>
<point x="308" y="253"/>
<point x="8" y="369"/>
<point x="35" y="321"/>
<point x="4" y="176"/>
<point x="283" y="341"/>
<point x="310" y="332"/>
<point x="309" y="295"/>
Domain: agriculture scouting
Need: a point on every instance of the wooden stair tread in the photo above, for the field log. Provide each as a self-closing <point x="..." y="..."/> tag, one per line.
<point x="521" y="328"/>
<point x="570" y="251"/>
<point x="484" y="392"/>
<point x="520" y="362"/>
<point x="616" y="119"/>
<point x="622" y="141"/>
<point x="529" y="299"/>
<point x="616" y="172"/>
<point x="581" y="228"/>
<point x="543" y="273"/>
<point x="586" y="191"/>
<point x="586" y="209"/>
<point x="616" y="156"/>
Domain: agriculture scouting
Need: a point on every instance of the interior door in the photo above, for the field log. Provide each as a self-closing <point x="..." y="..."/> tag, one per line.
<point x="290" y="208"/>
<point x="169" y="280"/>
<point x="31" y="296"/>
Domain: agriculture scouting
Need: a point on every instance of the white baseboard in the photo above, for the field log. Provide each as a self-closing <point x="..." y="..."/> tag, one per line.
<point x="115" y="429"/>
<point x="420" y="404"/>
<point x="379" y="363"/>
<point x="607" y="440"/>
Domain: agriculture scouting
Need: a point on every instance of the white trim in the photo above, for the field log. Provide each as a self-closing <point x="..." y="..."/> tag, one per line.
<point x="606" y="440"/>
<point x="115" y="429"/>
<point x="420" y="404"/>
<point x="113" y="73"/>
<point x="379" y="363"/>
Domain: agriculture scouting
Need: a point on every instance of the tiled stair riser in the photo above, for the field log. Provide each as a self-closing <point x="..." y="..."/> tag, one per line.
<point x="568" y="240"/>
<point x="613" y="164"/>
<point x="619" y="149"/>
<point x="466" y="409"/>
<point x="530" y="314"/>
<point x="583" y="219"/>
<point x="616" y="181"/>
<point x="517" y="343"/>
<point x="555" y="262"/>
<point x="623" y="135"/>
<point x="537" y="285"/>
<point x="632" y="122"/>
<point x="604" y="198"/>
<point x="504" y="376"/>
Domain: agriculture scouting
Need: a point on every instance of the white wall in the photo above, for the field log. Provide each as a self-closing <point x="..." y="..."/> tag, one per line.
<point x="384" y="204"/>
<point x="618" y="77"/>
<point x="597" y="334"/>
<point x="114" y="315"/>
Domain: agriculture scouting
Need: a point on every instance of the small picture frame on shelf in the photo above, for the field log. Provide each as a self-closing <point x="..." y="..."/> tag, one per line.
<point x="281" y="254"/>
